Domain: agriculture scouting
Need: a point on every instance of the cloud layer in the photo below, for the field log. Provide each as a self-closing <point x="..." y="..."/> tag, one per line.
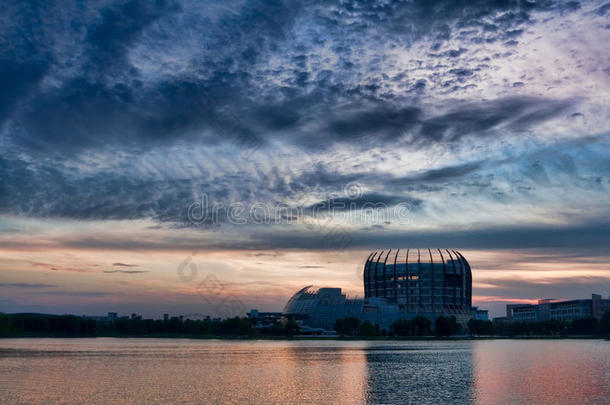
<point x="473" y="124"/>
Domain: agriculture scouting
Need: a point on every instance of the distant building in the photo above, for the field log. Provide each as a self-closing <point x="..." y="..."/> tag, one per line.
<point x="166" y="317"/>
<point x="112" y="316"/>
<point x="95" y="318"/>
<point x="398" y="284"/>
<point x="480" y="314"/>
<point x="548" y="309"/>
<point x="511" y="307"/>
<point x="264" y="318"/>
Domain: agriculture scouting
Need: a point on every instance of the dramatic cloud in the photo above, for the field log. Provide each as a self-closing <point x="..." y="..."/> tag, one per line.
<point x="126" y="271"/>
<point x="26" y="285"/>
<point x="470" y="124"/>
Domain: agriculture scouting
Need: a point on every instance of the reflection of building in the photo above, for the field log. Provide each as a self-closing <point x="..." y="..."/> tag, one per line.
<point x="398" y="284"/>
<point x="558" y="310"/>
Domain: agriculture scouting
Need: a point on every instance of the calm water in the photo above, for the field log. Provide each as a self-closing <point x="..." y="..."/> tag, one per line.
<point x="157" y="371"/>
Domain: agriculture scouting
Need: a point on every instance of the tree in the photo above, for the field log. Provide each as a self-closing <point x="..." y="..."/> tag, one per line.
<point x="446" y="326"/>
<point x="585" y="326"/>
<point x="368" y="329"/>
<point x="480" y="327"/>
<point x="604" y="324"/>
<point x="236" y="326"/>
<point x="421" y="325"/>
<point x="4" y="324"/>
<point x="291" y="328"/>
<point x="347" y="326"/>
<point x="402" y="327"/>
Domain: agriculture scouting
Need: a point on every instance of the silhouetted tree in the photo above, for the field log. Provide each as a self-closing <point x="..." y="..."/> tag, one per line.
<point x="291" y="328"/>
<point x="604" y="324"/>
<point x="446" y="326"/>
<point x="421" y="325"/>
<point x="368" y="329"/>
<point x="480" y="327"/>
<point x="4" y="324"/>
<point x="402" y="327"/>
<point x="347" y="326"/>
<point x="585" y="326"/>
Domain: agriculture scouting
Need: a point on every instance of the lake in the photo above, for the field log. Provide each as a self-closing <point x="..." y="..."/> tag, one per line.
<point x="182" y="371"/>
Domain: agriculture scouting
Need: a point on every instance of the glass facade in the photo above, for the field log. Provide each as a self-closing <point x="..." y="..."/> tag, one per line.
<point x="320" y="307"/>
<point x="420" y="280"/>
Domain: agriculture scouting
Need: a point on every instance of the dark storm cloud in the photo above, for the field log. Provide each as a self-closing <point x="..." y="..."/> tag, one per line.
<point x="439" y="175"/>
<point x="85" y="294"/>
<point x="388" y="123"/>
<point x="24" y="54"/>
<point x="120" y="25"/>
<point x="72" y="84"/>
<point x="420" y="17"/>
<point x="556" y="287"/>
<point x="108" y="102"/>
<point x="362" y="202"/>
<point x="26" y="285"/>
<point x="590" y="237"/>
<point x="329" y="180"/>
<point x="514" y="113"/>
<point x="46" y="191"/>
<point x="586" y="235"/>
<point x="126" y="271"/>
<point x="105" y="100"/>
<point x="43" y="190"/>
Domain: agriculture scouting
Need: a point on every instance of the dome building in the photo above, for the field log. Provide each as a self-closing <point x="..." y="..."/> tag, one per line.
<point x="420" y="280"/>
<point x="398" y="284"/>
<point x="320" y="307"/>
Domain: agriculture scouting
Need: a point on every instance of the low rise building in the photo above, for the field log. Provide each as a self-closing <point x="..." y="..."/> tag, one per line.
<point x="549" y="309"/>
<point x="480" y="314"/>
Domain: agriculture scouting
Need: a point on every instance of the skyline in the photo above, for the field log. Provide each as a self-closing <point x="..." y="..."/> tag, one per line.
<point x="348" y="126"/>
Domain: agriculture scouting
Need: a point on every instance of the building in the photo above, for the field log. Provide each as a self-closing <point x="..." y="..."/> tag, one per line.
<point x="320" y="307"/>
<point x="398" y="284"/>
<point x="420" y="280"/>
<point x="264" y="318"/>
<point x="480" y="314"/>
<point x="549" y="309"/>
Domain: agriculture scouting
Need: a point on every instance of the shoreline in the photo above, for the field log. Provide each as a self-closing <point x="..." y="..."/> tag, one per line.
<point x="305" y="337"/>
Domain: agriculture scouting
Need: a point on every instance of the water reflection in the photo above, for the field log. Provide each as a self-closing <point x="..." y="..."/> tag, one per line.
<point x="542" y="372"/>
<point x="156" y="371"/>
<point x="420" y="373"/>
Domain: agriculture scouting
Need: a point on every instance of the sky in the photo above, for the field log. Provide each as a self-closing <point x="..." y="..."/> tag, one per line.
<point x="195" y="157"/>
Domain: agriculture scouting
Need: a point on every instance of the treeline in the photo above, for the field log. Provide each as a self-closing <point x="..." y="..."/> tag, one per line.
<point x="76" y="326"/>
<point x="579" y="326"/>
<point x="418" y="326"/>
<point x="445" y="326"/>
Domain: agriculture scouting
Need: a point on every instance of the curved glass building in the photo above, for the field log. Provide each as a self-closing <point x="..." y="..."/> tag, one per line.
<point x="320" y="307"/>
<point x="420" y="280"/>
<point x="398" y="284"/>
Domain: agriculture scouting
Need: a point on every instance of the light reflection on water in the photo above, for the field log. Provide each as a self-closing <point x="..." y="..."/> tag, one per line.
<point x="147" y="371"/>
